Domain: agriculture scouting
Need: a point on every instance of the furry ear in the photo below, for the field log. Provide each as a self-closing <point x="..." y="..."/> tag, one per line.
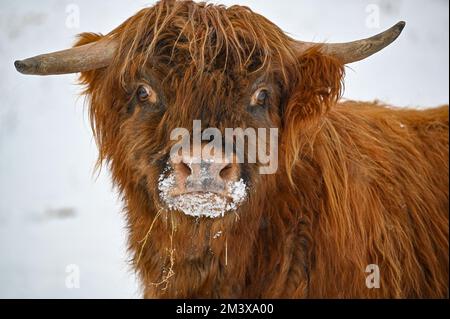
<point x="317" y="86"/>
<point x="100" y="113"/>
<point x="88" y="77"/>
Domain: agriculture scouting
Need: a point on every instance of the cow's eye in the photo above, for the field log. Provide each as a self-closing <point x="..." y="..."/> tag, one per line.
<point x="260" y="97"/>
<point x="145" y="94"/>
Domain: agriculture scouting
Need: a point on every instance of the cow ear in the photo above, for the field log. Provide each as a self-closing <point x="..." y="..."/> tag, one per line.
<point x="317" y="87"/>
<point x="88" y="78"/>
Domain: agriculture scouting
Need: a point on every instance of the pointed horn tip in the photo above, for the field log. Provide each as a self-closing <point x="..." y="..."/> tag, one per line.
<point x="21" y="66"/>
<point x="27" y="66"/>
<point x="400" y="26"/>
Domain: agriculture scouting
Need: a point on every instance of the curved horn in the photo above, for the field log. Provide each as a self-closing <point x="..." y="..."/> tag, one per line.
<point x="358" y="50"/>
<point x="78" y="59"/>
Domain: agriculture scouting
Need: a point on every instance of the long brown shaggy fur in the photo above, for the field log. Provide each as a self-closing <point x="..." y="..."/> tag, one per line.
<point x="358" y="184"/>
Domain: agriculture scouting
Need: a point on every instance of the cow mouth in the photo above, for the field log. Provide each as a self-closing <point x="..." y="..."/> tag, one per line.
<point x="206" y="204"/>
<point x="212" y="193"/>
<point x="202" y="204"/>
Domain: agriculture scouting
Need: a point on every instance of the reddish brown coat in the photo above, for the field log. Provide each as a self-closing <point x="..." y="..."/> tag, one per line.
<point x="359" y="183"/>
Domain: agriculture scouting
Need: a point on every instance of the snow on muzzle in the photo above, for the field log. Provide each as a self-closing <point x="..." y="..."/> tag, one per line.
<point x="202" y="187"/>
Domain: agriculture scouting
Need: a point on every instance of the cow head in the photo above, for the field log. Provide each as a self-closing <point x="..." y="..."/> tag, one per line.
<point x="180" y="68"/>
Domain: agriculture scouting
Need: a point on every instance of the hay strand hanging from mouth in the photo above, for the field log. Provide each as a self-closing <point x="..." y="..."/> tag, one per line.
<point x="144" y="240"/>
<point x="169" y="273"/>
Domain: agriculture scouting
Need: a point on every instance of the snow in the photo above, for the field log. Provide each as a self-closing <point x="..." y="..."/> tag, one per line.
<point x="55" y="211"/>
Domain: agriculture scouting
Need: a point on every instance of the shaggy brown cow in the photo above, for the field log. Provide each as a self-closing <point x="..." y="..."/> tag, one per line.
<point x="358" y="184"/>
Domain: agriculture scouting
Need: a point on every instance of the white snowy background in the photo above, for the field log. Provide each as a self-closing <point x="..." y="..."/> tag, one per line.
<point x="54" y="212"/>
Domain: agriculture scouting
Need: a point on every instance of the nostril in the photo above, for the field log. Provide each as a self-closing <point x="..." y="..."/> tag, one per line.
<point x="227" y="172"/>
<point x="183" y="169"/>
